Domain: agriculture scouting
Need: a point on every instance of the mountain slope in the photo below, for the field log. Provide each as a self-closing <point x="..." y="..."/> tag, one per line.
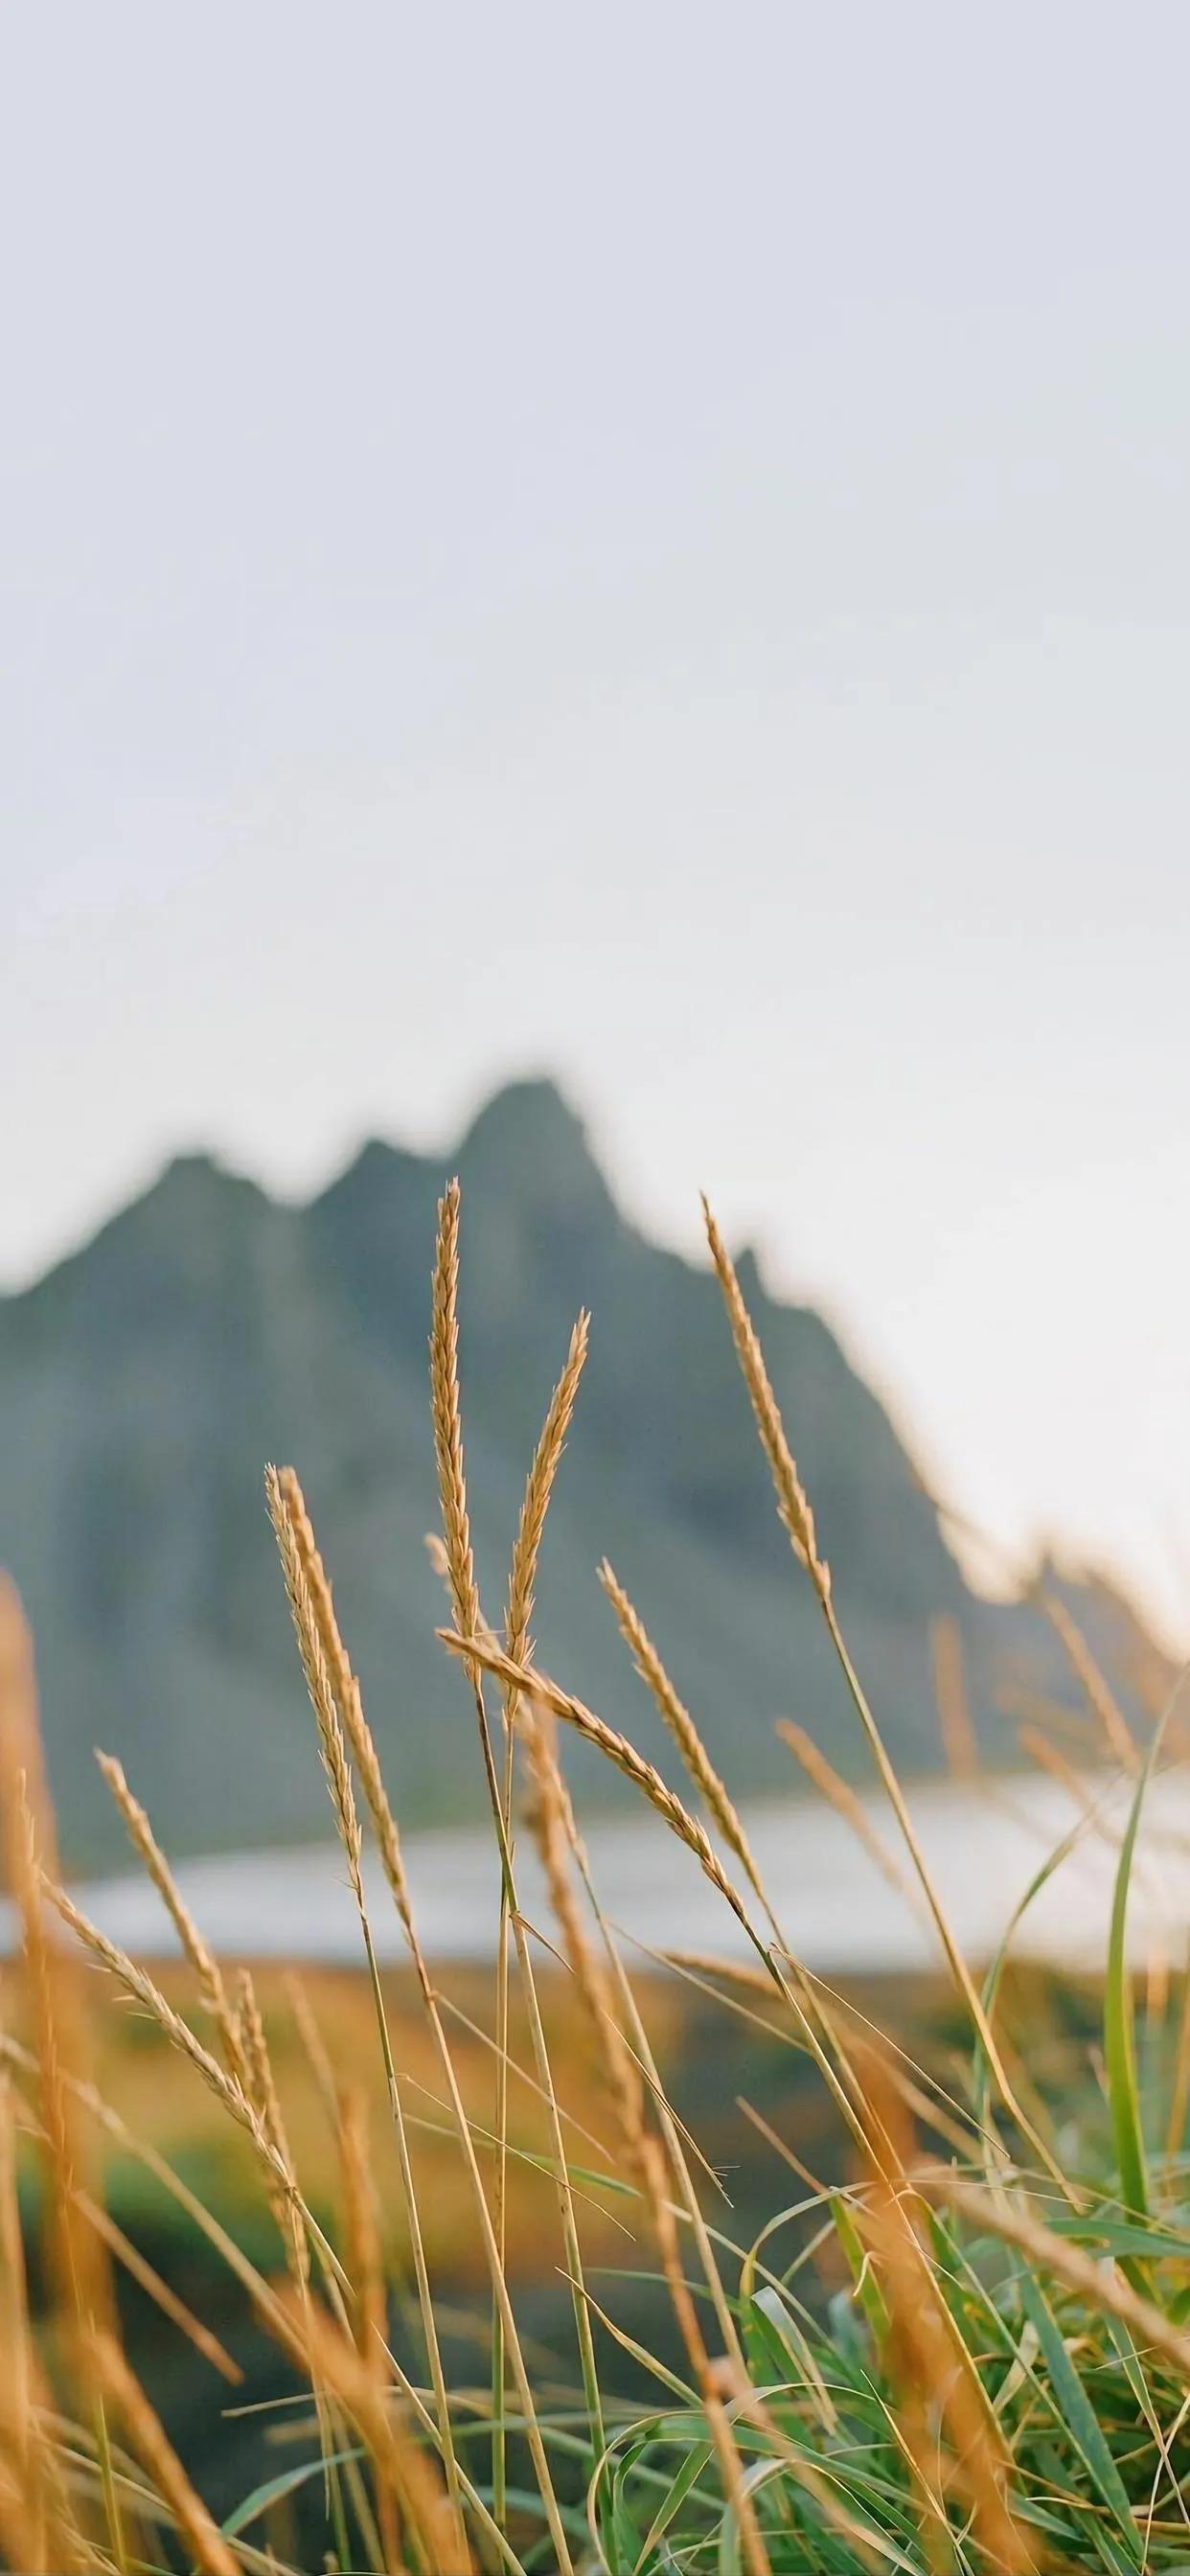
<point x="144" y="1382"/>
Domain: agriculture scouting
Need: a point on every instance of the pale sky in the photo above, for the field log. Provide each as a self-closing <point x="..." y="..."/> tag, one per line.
<point x="650" y="542"/>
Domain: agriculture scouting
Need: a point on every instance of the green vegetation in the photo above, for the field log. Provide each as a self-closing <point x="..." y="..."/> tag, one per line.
<point x="965" y="2345"/>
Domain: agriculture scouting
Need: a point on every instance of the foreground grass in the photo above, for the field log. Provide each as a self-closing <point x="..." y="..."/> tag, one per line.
<point x="966" y="2345"/>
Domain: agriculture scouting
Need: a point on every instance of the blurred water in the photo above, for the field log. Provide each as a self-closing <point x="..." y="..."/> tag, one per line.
<point x="983" y="1845"/>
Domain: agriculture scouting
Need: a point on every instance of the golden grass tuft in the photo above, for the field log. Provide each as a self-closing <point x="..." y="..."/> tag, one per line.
<point x="792" y="1500"/>
<point x="139" y="1986"/>
<point x="700" y="1768"/>
<point x="539" y="1487"/>
<point x="319" y="1681"/>
<point x="525" y="1679"/>
<point x="197" y="1949"/>
<point x="447" y="1416"/>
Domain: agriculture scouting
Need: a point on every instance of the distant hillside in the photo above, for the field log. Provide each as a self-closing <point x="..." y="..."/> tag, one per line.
<point x="144" y="1382"/>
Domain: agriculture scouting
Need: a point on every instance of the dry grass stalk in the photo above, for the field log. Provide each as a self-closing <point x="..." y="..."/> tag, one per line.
<point x="521" y="1581"/>
<point x="1091" y="2277"/>
<point x="546" y="1695"/>
<point x="1049" y="1757"/>
<point x="538" y="1489"/>
<point x="1097" y="1691"/>
<point x="317" y="1670"/>
<point x="146" y="2436"/>
<point x="295" y="1536"/>
<point x="447" y="1416"/>
<point x="139" y="1985"/>
<point x="846" y="1804"/>
<point x="954" y="1708"/>
<point x="79" y="2272"/>
<point x="328" y="1669"/>
<point x="15" y="2345"/>
<point x="141" y="2271"/>
<point x="77" y="2265"/>
<point x="925" y="2353"/>
<point x="795" y="1513"/>
<point x="284" y="2198"/>
<point x="314" y="2046"/>
<point x="705" y="1964"/>
<point x="196" y="1948"/>
<point x="424" y="2503"/>
<point x="339" y="1693"/>
<point x="711" y="1789"/>
<point x="448" y="1440"/>
<point x="654" y="2178"/>
<point x="22" y="2527"/>
<point x="22" y="2538"/>
<point x="553" y="1831"/>
<point x="288" y="2214"/>
<point x="37" y="2531"/>
<point x="86" y="2098"/>
<point x="272" y="2316"/>
<point x="629" y="2064"/>
<point x="365" y="2265"/>
<point x="361" y="2224"/>
<point x="263" y="2094"/>
<point x="446" y="1409"/>
<point x="525" y="1679"/>
<point x="490" y="2244"/>
<point x="318" y="1581"/>
<point x="624" y="2062"/>
<point x="792" y="1501"/>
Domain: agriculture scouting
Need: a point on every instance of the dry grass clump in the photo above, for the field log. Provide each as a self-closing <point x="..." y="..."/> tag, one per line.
<point x="1000" y="2382"/>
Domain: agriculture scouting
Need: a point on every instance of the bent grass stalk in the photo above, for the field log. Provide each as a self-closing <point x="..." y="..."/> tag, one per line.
<point x="521" y="1581"/>
<point x="315" y="1663"/>
<point x="146" y="2435"/>
<point x="206" y="1968"/>
<point x="818" y="2029"/>
<point x="361" y="2238"/>
<point x="839" y="1795"/>
<point x="456" y="1533"/>
<point x="711" y="1788"/>
<point x="483" y="1652"/>
<point x="262" y="2294"/>
<point x="77" y="2259"/>
<point x="260" y="2084"/>
<point x="298" y="1554"/>
<point x="798" y="1519"/>
<point x="480" y="1648"/>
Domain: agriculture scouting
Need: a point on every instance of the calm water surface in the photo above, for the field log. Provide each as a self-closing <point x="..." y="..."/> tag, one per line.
<point x="983" y="1846"/>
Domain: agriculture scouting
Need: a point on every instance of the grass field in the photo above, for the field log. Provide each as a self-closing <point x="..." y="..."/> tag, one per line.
<point x="495" y="2257"/>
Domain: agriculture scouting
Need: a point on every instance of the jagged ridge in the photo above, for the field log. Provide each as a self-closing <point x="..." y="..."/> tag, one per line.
<point x="144" y="1382"/>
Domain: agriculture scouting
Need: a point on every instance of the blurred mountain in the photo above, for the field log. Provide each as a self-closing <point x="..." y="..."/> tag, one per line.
<point x="205" y="1329"/>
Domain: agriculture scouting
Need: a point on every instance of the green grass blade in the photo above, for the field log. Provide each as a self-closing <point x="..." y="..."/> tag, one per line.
<point x="685" y="2477"/>
<point x="1119" y="2041"/>
<point x="866" y="2287"/>
<point x="981" y="2073"/>
<point x="285" y="2483"/>
<point x="1072" y="2406"/>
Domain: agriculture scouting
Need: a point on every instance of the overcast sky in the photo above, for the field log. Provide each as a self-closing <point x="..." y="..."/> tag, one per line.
<point x="651" y="542"/>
